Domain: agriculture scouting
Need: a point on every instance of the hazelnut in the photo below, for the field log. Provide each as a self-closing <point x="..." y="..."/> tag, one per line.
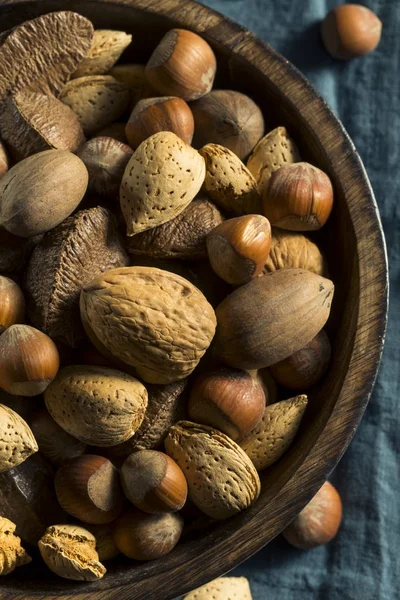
<point x="230" y="400"/>
<point x="12" y="303"/>
<point x="29" y="360"/>
<point x="88" y="488"/>
<point x="183" y="65"/>
<point x="152" y="115"/>
<point x="153" y="482"/>
<point x="3" y="160"/>
<point x="318" y="522"/>
<point x="306" y="367"/>
<point x="238" y="248"/>
<point x="350" y="30"/>
<point x="299" y="197"/>
<point x="141" y="536"/>
<point x="230" y="119"/>
<point x="105" y="547"/>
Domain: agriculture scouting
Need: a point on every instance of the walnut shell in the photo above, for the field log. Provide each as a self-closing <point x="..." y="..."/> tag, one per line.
<point x="222" y="480"/>
<point x="162" y="177"/>
<point x="100" y="406"/>
<point x="17" y="442"/>
<point x="152" y="320"/>
<point x="12" y="555"/>
<point x="105" y="50"/>
<point x="183" y="237"/>
<point x="83" y="246"/>
<point x="292" y="250"/>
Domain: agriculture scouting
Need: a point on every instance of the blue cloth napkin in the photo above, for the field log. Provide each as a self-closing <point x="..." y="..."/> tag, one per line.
<point x="362" y="562"/>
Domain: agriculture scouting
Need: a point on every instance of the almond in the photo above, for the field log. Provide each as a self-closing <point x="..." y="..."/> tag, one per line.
<point x="12" y="555"/>
<point x="222" y="480"/>
<point x="273" y="151"/>
<point x="162" y="177"/>
<point x="98" y="100"/>
<point x="106" y="48"/>
<point x="223" y="588"/>
<point x="229" y="183"/>
<point x="292" y="250"/>
<point x="276" y="431"/>
<point x="17" y="442"/>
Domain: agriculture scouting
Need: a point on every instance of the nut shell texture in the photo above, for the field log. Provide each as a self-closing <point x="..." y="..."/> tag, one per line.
<point x="222" y="588"/>
<point x="17" y="442"/>
<point x="161" y="178"/>
<point x="222" y="480"/>
<point x="152" y="320"/>
<point x="106" y="48"/>
<point x="292" y="250"/>
<point x="99" y="406"/>
<point x="12" y="555"/>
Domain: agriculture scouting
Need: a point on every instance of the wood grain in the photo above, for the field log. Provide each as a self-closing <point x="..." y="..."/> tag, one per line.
<point x="354" y="243"/>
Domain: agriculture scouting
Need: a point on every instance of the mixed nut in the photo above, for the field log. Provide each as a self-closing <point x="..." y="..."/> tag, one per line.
<point x="144" y="294"/>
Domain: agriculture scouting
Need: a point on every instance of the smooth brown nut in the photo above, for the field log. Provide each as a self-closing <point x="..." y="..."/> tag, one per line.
<point x="101" y="407"/>
<point x="12" y="303"/>
<point x="350" y="30"/>
<point x="41" y="191"/>
<point x="70" y="552"/>
<point x="105" y="547"/>
<point x="272" y="317"/>
<point x="32" y="122"/>
<point x="17" y="442"/>
<point x="153" y="482"/>
<point x="142" y="536"/>
<point x="183" y="237"/>
<point x="273" y="151"/>
<point x="275" y="432"/>
<point x="318" y="522"/>
<point x="306" y="367"/>
<point x="238" y="248"/>
<point x="162" y="177"/>
<point x="105" y="159"/>
<point x="299" y="197"/>
<point x="88" y="489"/>
<point x="152" y="115"/>
<point x="228" y="182"/>
<point x="58" y="446"/>
<point x="12" y="555"/>
<point x="29" y="360"/>
<point x="152" y="320"/>
<point x="98" y="100"/>
<point x="106" y="48"/>
<point x="228" y="118"/>
<point x="182" y="65"/>
<point x="221" y="589"/>
<point x="4" y="164"/>
<point x="69" y="257"/>
<point x="222" y="480"/>
<point x="292" y="250"/>
<point x="229" y="400"/>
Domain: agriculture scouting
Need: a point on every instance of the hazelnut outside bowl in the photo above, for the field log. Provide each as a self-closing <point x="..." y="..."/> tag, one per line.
<point x="354" y="244"/>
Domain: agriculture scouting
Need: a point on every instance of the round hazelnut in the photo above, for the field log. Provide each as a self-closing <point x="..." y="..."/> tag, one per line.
<point x="183" y="65"/>
<point x="153" y="482"/>
<point x="350" y="30"/>
<point x="12" y="303"/>
<point x="29" y="360"/>
<point x="299" y="197"/>
<point x="230" y="400"/>
<point x="230" y="119"/>
<point x="142" y="536"/>
<point x="152" y="115"/>
<point x="318" y="522"/>
<point x="238" y="248"/>
<point x="4" y="164"/>
<point x="88" y="489"/>
<point x="306" y="367"/>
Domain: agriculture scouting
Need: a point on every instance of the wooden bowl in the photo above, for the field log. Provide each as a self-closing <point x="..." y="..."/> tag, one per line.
<point x="354" y="243"/>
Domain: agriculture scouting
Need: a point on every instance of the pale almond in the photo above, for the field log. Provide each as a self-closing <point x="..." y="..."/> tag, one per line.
<point x="223" y="588"/>
<point x="105" y="50"/>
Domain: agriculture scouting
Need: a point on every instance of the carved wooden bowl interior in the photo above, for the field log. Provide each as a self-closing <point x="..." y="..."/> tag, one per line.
<point x="354" y="244"/>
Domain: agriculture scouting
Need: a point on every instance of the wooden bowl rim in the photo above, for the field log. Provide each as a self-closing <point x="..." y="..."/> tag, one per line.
<point x="229" y="550"/>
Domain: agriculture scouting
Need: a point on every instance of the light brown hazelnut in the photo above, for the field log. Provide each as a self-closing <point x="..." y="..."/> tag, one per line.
<point x="238" y="248"/>
<point x="166" y="113"/>
<point x="318" y="522"/>
<point x="29" y="360"/>
<point x="350" y="30"/>
<point x="88" y="488"/>
<point x="230" y="400"/>
<point x="3" y="160"/>
<point x="12" y="303"/>
<point x="306" y="367"/>
<point x="299" y="197"/>
<point x="153" y="482"/>
<point x="142" y="536"/>
<point x="183" y="64"/>
<point x="230" y="119"/>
